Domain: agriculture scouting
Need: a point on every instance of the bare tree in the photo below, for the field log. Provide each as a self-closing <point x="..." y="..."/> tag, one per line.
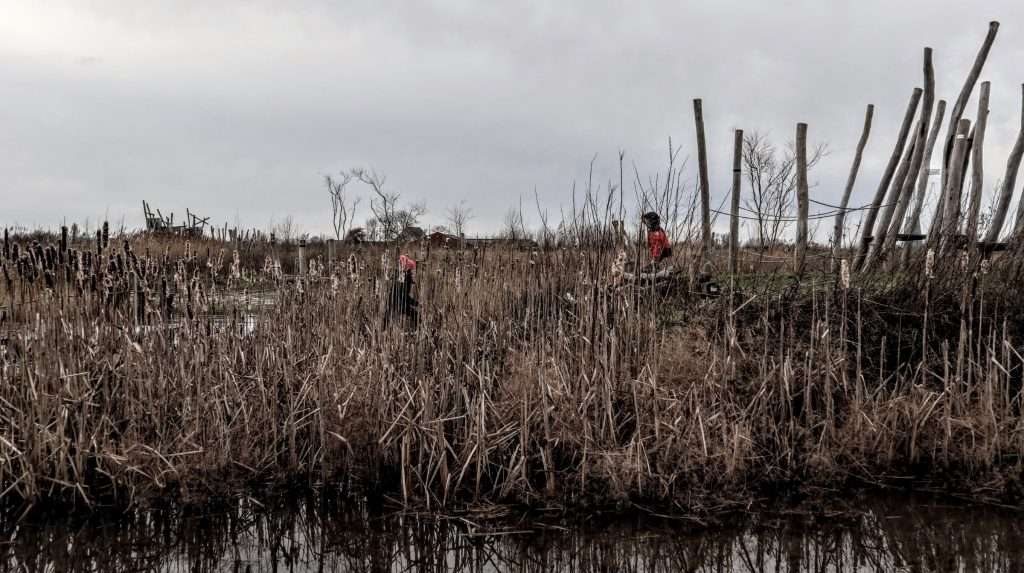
<point x="513" y="227"/>
<point x="408" y="216"/>
<point x="457" y="217"/>
<point x="343" y="213"/>
<point x="383" y="204"/>
<point x="372" y="232"/>
<point x="772" y="179"/>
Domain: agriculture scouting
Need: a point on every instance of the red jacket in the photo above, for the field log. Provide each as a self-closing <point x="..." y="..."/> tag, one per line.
<point x="657" y="242"/>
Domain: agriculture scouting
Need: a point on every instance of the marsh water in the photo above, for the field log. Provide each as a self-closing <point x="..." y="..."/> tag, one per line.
<point x="330" y="533"/>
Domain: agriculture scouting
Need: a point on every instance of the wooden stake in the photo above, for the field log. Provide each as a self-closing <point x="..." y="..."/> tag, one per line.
<point x="801" y="197"/>
<point x="734" y="215"/>
<point x="837" y="233"/>
<point x="896" y="211"/>
<point x="977" y="167"/>
<point x="951" y="210"/>
<point x="922" y="181"/>
<point x="961" y="100"/>
<point x="705" y="193"/>
<point x="1008" y="182"/>
<point x="868" y="225"/>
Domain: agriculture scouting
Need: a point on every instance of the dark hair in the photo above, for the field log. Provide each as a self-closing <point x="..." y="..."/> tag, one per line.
<point x="652" y="220"/>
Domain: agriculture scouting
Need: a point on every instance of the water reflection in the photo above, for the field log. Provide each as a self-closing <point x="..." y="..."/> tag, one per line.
<point x="321" y="534"/>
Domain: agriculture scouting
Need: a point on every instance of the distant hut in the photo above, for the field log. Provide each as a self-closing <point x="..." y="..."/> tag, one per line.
<point x="442" y="240"/>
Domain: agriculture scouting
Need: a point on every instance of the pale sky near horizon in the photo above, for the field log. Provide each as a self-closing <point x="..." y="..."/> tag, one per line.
<point x="237" y="110"/>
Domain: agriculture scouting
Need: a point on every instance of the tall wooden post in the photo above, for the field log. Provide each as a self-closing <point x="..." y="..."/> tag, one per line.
<point x="896" y="211"/>
<point x="951" y="210"/>
<point x="977" y="167"/>
<point x="302" y="257"/>
<point x="867" y="227"/>
<point x="837" y="233"/>
<point x="705" y="193"/>
<point x="802" y="199"/>
<point x="1008" y="182"/>
<point x="734" y="213"/>
<point x="914" y="220"/>
<point x="961" y="100"/>
<point x="330" y="254"/>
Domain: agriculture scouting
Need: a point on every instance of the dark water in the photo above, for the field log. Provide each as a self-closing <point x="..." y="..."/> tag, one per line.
<point x="316" y="534"/>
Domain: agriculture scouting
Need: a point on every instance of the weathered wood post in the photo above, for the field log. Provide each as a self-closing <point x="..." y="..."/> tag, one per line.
<point x="133" y="290"/>
<point x="961" y="100"/>
<point x="705" y="193"/>
<point x="1008" y="183"/>
<point x="867" y="227"/>
<point x="330" y="254"/>
<point x="837" y="233"/>
<point x="951" y="210"/>
<point x="914" y="220"/>
<point x="802" y="199"/>
<point x="302" y="257"/>
<point x="734" y="212"/>
<point x="903" y="188"/>
<point x="888" y="207"/>
<point x="977" y="167"/>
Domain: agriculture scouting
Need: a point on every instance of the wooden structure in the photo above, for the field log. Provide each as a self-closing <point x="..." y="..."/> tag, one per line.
<point x="193" y="226"/>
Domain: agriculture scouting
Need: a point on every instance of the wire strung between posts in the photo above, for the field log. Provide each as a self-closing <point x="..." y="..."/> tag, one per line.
<point x="815" y="216"/>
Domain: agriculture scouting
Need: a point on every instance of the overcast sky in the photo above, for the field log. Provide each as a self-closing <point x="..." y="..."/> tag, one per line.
<point x="238" y="109"/>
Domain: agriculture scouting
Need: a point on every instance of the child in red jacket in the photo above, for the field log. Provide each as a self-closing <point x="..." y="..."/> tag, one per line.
<point x="657" y="240"/>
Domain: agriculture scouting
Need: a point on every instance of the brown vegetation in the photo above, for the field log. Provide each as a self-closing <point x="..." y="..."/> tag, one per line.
<point x="529" y="378"/>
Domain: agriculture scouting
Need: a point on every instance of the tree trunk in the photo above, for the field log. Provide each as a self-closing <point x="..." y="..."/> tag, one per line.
<point x="705" y="194"/>
<point x="801" y="197"/>
<point x="734" y="218"/>
<point x="837" y="233"/>
<point x="883" y="185"/>
<point x="1009" y="180"/>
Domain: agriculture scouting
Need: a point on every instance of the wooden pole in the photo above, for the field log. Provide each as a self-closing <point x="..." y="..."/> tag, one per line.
<point x="888" y="208"/>
<point x="302" y="257"/>
<point x="896" y="211"/>
<point x="330" y="254"/>
<point x="837" y="233"/>
<point x="951" y="210"/>
<point x="961" y="100"/>
<point x="922" y="182"/>
<point x="1008" y="183"/>
<point x="705" y="193"/>
<point x="801" y="197"/>
<point x="734" y="214"/>
<point x="977" y="167"/>
<point x="868" y="224"/>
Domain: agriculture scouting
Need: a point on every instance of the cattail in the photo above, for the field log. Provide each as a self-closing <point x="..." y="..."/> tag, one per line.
<point x="844" y="273"/>
<point x="106" y="234"/>
<point x="929" y="264"/>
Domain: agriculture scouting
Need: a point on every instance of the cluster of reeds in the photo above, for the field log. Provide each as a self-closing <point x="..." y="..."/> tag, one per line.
<point x="530" y="377"/>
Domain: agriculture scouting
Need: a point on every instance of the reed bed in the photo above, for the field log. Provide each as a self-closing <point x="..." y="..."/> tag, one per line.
<point x="531" y="377"/>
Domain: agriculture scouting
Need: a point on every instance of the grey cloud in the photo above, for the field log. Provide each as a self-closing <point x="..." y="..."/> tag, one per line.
<point x="238" y="109"/>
